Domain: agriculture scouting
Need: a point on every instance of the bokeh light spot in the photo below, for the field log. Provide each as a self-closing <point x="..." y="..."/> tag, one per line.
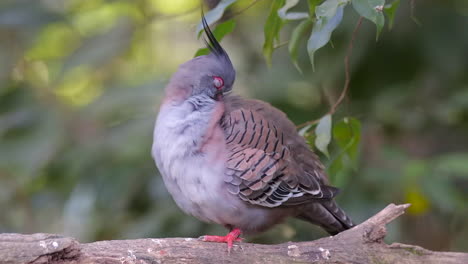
<point x="174" y="6"/>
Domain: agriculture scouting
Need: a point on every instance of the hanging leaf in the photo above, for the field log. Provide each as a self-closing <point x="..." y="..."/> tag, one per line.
<point x="336" y="173"/>
<point x="323" y="134"/>
<point x="296" y="36"/>
<point x="372" y="10"/>
<point x="272" y="29"/>
<point x="215" y="14"/>
<point x="283" y="12"/>
<point x="390" y="11"/>
<point x="219" y="32"/>
<point x="329" y="15"/>
<point x="328" y="9"/>
<point x="347" y="134"/>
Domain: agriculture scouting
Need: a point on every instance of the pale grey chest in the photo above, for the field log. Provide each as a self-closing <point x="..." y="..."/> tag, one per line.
<point x="193" y="178"/>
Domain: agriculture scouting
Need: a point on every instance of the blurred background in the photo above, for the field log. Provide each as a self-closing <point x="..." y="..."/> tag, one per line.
<point x="81" y="82"/>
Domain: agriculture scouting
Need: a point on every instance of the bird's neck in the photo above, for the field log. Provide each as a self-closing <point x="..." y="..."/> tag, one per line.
<point x="195" y="119"/>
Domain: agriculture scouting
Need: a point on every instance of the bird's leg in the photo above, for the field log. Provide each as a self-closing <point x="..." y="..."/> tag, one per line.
<point x="229" y="238"/>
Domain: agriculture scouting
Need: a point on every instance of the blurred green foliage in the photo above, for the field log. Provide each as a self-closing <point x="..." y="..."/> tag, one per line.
<point x="80" y="82"/>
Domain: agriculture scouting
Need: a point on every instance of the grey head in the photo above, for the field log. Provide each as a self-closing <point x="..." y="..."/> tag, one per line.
<point x="211" y="75"/>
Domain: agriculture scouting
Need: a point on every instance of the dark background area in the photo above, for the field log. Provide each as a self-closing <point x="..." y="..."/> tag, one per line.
<point x="81" y="81"/>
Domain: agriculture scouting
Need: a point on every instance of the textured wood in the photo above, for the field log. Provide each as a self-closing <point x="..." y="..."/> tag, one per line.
<point x="361" y="244"/>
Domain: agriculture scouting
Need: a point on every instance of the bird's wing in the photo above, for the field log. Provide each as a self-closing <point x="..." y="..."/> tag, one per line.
<point x="269" y="164"/>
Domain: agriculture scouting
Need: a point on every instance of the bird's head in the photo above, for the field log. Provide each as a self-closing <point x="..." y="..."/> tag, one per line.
<point x="211" y="75"/>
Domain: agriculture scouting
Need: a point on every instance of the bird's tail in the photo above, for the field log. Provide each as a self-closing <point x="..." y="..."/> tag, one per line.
<point x="328" y="215"/>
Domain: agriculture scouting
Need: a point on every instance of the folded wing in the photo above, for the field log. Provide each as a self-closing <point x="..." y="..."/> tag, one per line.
<point x="269" y="164"/>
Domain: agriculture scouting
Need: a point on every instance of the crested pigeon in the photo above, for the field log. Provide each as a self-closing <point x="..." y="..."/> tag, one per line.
<point x="236" y="162"/>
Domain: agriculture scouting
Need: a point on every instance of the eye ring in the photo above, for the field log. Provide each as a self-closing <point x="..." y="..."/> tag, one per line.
<point x="218" y="82"/>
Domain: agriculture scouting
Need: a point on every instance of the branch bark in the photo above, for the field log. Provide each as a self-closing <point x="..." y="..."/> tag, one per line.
<point x="361" y="244"/>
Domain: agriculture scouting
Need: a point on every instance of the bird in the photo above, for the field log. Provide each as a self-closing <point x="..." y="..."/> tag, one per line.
<point x="236" y="162"/>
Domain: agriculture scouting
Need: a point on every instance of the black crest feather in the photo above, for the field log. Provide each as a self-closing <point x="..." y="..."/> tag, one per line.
<point x="212" y="44"/>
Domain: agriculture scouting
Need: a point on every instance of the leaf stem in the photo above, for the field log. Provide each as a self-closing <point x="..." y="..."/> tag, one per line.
<point x="347" y="78"/>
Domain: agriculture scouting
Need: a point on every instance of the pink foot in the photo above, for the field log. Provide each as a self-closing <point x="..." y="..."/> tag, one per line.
<point x="229" y="238"/>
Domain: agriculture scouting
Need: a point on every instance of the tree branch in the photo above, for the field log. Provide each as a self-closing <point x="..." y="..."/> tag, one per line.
<point x="361" y="244"/>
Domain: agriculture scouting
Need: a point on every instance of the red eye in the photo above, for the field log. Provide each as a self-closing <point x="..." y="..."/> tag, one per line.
<point x="218" y="82"/>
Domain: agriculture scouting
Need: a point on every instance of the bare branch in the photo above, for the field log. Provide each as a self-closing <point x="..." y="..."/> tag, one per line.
<point x="361" y="244"/>
<point x="243" y="10"/>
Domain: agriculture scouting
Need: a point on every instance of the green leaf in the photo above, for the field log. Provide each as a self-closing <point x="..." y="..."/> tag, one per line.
<point x="296" y="36"/>
<point x="312" y="5"/>
<point x="336" y="171"/>
<point x="329" y="15"/>
<point x="372" y="10"/>
<point x="283" y="12"/>
<point x="323" y="134"/>
<point x="328" y="8"/>
<point x="215" y="14"/>
<point x="390" y="11"/>
<point x="223" y="29"/>
<point x="202" y="51"/>
<point x="219" y="32"/>
<point x="347" y="134"/>
<point x="272" y="29"/>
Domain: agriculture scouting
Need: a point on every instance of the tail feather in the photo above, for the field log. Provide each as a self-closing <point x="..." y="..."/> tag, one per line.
<point x="328" y="215"/>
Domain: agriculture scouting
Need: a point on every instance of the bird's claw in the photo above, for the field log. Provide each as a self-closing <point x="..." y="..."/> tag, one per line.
<point x="230" y="238"/>
<point x="217" y="239"/>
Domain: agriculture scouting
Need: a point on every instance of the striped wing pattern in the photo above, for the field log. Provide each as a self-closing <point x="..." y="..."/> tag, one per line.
<point x="260" y="168"/>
